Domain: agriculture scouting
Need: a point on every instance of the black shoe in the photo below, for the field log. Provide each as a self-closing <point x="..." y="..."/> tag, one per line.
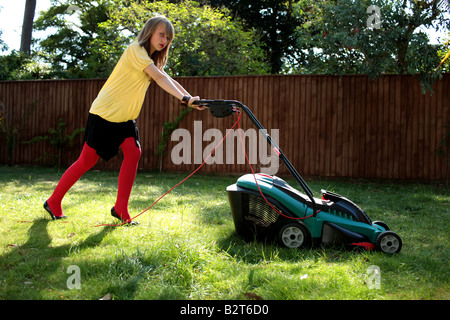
<point x="116" y="215"/>
<point x="46" y="207"/>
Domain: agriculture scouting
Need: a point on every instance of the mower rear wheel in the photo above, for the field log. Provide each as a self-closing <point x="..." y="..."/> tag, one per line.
<point x="388" y="242"/>
<point x="293" y="235"/>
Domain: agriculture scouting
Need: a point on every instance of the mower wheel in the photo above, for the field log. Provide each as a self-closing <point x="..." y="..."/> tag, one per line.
<point x="388" y="242"/>
<point x="293" y="235"/>
<point x="382" y="224"/>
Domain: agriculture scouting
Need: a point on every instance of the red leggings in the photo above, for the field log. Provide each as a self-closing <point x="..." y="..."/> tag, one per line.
<point x="86" y="161"/>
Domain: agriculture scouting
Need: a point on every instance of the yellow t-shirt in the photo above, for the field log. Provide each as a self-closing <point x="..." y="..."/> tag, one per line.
<point x="123" y="94"/>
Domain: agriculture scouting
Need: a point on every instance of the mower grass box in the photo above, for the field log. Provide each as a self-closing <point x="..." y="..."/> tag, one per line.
<point x="336" y="221"/>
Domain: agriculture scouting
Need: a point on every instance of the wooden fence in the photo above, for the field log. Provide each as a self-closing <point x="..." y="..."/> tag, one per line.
<point x="331" y="126"/>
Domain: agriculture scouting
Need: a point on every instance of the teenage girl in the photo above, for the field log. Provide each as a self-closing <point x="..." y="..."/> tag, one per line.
<point x="111" y="122"/>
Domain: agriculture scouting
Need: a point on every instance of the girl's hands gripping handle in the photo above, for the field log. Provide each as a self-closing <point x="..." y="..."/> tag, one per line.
<point x="188" y="100"/>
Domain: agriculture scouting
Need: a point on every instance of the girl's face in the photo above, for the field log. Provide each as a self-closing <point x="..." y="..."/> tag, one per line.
<point x="160" y="39"/>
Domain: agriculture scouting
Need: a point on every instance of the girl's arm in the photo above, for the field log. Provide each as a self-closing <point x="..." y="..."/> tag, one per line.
<point x="179" y="86"/>
<point x="169" y="85"/>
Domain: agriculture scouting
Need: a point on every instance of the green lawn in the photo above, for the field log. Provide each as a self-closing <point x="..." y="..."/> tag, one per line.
<point x="186" y="247"/>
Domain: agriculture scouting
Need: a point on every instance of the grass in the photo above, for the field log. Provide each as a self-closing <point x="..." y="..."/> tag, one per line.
<point x="186" y="247"/>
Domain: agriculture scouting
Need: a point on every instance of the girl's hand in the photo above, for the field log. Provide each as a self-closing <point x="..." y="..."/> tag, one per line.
<point x="191" y="100"/>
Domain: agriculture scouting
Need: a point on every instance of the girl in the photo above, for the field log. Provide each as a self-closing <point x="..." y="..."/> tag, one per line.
<point x="111" y="122"/>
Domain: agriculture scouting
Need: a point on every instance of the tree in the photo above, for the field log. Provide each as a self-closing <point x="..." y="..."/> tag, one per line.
<point x="27" y="27"/>
<point x="207" y="41"/>
<point x="69" y="50"/>
<point x="10" y="64"/>
<point x="275" y="23"/>
<point x="23" y="64"/>
<point x="340" y="37"/>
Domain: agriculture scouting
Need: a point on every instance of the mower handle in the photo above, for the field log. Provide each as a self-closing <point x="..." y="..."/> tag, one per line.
<point x="223" y="108"/>
<point x="207" y="103"/>
<point x="218" y="108"/>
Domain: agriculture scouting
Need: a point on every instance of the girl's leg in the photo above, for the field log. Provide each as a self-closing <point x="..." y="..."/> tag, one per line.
<point x="127" y="174"/>
<point x="86" y="161"/>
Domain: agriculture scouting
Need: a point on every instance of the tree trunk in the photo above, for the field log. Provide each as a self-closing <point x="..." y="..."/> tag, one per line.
<point x="27" y="27"/>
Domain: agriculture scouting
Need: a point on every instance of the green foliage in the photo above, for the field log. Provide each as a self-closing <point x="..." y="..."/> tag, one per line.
<point x="69" y="50"/>
<point x="274" y="21"/>
<point x="3" y="45"/>
<point x="239" y="37"/>
<point x="58" y="139"/>
<point x="167" y="129"/>
<point x="207" y="41"/>
<point x="444" y="55"/>
<point x="20" y="66"/>
<point x="337" y="38"/>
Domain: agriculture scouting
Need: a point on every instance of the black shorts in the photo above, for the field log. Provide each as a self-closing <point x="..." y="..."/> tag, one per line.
<point x="106" y="137"/>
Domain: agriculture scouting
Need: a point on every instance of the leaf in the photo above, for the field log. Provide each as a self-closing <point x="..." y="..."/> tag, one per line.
<point x="252" y="296"/>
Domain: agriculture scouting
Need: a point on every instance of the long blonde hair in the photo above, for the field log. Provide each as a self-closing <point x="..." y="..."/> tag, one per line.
<point x="143" y="38"/>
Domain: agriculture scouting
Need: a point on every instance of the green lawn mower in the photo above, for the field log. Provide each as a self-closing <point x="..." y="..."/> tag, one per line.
<point x="264" y="206"/>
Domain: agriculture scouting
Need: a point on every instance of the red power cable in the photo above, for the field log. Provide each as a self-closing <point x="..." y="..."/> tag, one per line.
<point x="195" y="171"/>
<point x="256" y="181"/>
<point x="179" y="183"/>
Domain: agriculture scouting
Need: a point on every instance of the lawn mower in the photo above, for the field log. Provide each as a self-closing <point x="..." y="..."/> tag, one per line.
<point x="264" y="206"/>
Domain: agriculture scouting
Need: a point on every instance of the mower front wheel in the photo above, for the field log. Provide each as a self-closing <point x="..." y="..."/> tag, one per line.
<point x="388" y="242"/>
<point x="293" y="235"/>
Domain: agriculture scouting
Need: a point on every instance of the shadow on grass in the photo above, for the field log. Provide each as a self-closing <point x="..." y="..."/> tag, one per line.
<point x="36" y="262"/>
<point x="255" y="251"/>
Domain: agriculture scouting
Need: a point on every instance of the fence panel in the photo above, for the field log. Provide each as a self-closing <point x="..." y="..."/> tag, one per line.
<point x="349" y="126"/>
